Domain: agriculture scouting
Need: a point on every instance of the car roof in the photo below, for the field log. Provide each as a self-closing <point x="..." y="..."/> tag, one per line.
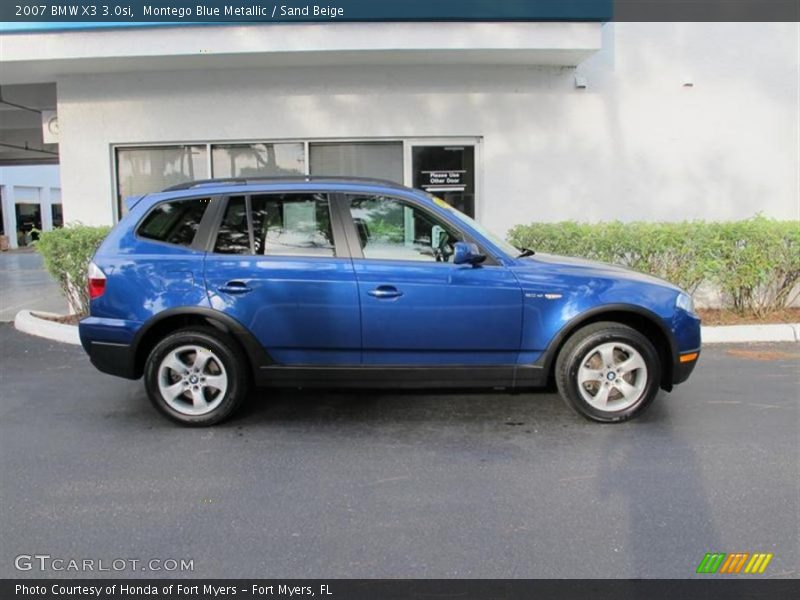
<point x="248" y="185"/>
<point x="271" y="181"/>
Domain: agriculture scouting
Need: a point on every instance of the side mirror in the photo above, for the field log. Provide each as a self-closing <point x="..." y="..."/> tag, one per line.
<point x="467" y="254"/>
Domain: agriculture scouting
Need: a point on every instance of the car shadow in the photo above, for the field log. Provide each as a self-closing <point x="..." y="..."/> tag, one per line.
<point x="338" y="406"/>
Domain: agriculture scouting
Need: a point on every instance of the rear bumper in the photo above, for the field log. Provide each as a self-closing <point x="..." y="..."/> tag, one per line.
<point x="106" y="341"/>
<point x="114" y="359"/>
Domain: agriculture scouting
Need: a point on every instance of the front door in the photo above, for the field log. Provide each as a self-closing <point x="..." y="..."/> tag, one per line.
<point x="280" y="267"/>
<point x="417" y="307"/>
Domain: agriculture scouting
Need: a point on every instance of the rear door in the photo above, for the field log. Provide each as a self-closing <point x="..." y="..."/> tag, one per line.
<point x="281" y="267"/>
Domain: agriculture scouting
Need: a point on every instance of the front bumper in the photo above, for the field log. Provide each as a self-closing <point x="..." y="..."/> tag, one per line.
<point x="686" y="343"/>
<point x="683" y="367"/>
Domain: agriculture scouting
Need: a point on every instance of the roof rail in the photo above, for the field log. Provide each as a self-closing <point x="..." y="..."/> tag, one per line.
<point x="278" y="179"/>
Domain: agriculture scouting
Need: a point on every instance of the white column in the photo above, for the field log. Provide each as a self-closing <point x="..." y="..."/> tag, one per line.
<point x="44" y="208"/>
<point x="9" y="215"/>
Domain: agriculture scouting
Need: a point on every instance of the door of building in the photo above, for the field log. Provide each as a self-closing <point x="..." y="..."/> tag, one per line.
<point x="446" y="170"/>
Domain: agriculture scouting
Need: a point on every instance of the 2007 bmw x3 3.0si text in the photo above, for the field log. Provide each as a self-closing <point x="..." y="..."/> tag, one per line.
<point x="208" y="288"/>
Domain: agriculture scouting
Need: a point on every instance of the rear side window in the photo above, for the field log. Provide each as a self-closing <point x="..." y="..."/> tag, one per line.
<point x="277" y="225"/>
<point x="174" y="222"/>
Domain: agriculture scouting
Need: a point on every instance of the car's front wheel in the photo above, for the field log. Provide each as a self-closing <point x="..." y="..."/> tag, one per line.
<point x="196" y="376"/>
<point x="608" y="372"/>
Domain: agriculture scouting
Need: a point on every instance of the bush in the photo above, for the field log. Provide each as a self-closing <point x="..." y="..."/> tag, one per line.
<point x="67" y="252"/>
<point x="754" y="263"/>
<point x="758" y="263"/>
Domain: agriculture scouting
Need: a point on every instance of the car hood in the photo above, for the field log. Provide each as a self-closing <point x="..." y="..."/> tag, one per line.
<point x="591" y="267"/>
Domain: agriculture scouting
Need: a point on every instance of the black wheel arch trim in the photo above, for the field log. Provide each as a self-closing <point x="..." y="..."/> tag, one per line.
<point x="256" y="354"/>
<point x="548" y="357"/>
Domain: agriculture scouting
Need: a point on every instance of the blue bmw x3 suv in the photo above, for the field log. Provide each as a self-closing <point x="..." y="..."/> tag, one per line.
<point x="210" y="287"/>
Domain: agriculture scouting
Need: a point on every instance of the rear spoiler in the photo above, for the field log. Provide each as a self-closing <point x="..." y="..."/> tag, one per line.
<point x="131" y="201"/>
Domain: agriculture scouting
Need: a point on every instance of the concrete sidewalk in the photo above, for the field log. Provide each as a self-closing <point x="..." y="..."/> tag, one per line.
<point x="25" y="284"/>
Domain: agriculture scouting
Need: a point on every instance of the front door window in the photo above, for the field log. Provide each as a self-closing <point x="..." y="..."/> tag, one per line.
<point x="391" y="229"/>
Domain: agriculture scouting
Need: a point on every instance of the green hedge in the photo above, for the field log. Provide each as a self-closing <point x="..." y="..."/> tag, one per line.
<point x="754" y="263"/>
<point x="67" y="252"/>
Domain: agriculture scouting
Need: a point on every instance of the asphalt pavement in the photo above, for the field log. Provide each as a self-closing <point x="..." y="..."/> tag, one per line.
<point x="24" y="284"/>
<point x="350" y="485"/>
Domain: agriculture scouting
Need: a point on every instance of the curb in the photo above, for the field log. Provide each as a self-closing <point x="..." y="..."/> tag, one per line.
<point x="26" y="322"/>
<point x="731" y="334"/>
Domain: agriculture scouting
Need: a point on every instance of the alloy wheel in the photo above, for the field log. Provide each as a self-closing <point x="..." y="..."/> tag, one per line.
<point x="192" y="380"/>
<point x="612" y="376"/>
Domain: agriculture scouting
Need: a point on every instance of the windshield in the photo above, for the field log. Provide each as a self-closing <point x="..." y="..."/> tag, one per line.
<point x="493" y="238"/>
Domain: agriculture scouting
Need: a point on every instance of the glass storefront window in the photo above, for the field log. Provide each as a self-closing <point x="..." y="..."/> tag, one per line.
<point x="447" y="171"/>
<point x="253" y="160"/>
<point x="29" y="220"/>
<point x="383" y="160"/>
<point x="57" y="215"/>
<point x="149" y="169"/>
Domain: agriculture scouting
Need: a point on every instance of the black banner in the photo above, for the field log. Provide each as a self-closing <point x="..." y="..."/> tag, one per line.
<point x="27" y="14"/>
<point x="421" y="589"/>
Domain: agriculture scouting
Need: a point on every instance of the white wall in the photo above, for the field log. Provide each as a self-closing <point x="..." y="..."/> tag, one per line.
<point x="38" y="184"/>
<point x="636" y="144"/>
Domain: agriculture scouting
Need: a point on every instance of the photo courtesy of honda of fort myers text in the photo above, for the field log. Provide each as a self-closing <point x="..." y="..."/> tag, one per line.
<point x="399" y="299"/>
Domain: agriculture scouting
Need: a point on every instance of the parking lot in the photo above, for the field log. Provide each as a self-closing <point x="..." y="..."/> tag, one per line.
<point x="24" y="284"/>
<point x="343" y="484"/>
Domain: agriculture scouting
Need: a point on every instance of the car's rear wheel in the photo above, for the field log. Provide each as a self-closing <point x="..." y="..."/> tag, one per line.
<point x="196" y="376"/>
<point x="608" y="372"/>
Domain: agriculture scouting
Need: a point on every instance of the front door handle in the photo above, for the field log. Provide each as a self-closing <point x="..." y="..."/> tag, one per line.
<point x="385" y="291"/>
<point x="235" y="287"/>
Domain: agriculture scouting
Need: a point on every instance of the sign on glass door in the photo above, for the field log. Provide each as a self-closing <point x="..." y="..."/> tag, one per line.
<point x="447" y="172"/>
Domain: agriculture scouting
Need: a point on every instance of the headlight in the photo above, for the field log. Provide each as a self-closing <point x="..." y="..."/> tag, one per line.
<point x="685" y="302"/>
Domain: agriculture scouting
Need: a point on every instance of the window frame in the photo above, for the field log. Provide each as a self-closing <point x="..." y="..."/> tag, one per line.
<point x="200" y="241"/>
<point x="408" y="143"/>
<point x="356" y="253"/>
<point x="340" y="246"/>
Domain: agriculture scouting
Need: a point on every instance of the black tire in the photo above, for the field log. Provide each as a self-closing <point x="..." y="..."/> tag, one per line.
<point x="225" y="358"/>
<point x="583" y="348"/>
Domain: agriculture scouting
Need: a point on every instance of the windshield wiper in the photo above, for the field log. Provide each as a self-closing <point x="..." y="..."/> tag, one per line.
<point x="525" y="252"/>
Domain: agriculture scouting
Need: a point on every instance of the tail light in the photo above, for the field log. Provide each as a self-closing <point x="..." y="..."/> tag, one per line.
<point x="97" y="281"/>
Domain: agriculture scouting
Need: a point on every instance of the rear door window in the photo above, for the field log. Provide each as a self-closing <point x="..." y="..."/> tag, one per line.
<point x="297" y="224"/>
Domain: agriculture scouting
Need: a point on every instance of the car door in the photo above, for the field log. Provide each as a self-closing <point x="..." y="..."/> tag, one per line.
<point x="417" y="307"/>
<point x="280" y="266"/>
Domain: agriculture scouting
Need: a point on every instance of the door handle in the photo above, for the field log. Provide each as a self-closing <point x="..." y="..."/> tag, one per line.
<point x="385" y="291"/>
<point x="235" y="287"/>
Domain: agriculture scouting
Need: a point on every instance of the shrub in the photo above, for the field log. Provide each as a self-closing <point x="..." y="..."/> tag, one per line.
<point x="755" y="263"/>
<point x="758" y="263"/>
<point x="67" y="252"/>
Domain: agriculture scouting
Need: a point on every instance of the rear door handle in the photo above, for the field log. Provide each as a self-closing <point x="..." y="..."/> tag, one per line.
<point x="385" y="291"/>
<point x="235" y="287"/>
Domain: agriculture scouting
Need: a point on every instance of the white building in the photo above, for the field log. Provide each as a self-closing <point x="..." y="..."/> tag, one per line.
<point x="30" y="200"/>
<point x="531" y="121"/>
